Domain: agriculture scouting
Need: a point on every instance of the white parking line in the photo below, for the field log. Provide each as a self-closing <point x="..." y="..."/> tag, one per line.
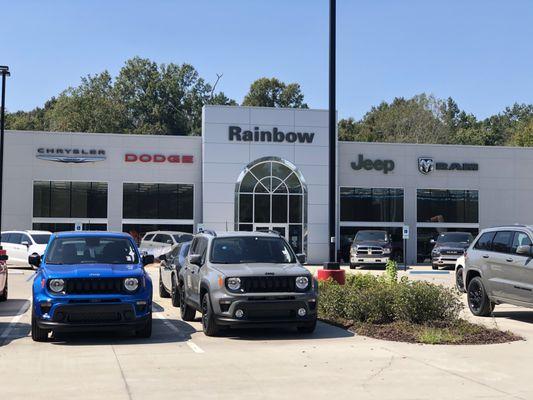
<point x="193" y="346"/>
<point x="20" y="313"/>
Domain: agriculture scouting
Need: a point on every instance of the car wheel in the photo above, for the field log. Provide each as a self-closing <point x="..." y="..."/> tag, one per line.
<point x="353" y="266"/>
<point x="434" y="267"/>
<point x="459" y="280"/>
<point x="309" y="328"/>
<point x="3" y="296"/>
<point x="478" y="301"/>
<point x="175" y="295"/>
<point x="209" y="324"/>
<point x="186" y="311"/>
<point x="162" y="291"/>
<point x="146" y="331"/>
<point x="38" y="334"/>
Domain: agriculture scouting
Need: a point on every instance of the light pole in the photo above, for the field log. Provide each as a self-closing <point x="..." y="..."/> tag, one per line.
<point x="4" y="71"/>
<point x="332" y="121"/>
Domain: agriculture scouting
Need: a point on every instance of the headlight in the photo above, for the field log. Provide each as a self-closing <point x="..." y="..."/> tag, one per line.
<point x="436" y="252"/>
<point x="131" y="284"/>
<point x="57" y="285"/>
<point x="234" y="283"/>
<point x="386" y="250"/>
<point x="302" y="282"/>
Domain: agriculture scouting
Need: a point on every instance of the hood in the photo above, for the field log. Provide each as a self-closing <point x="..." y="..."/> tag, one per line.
<point x="372" y="243"/>
<point x="93" y="270"/>
<point x="452" y="246"/>
<point x="239" y="270"/>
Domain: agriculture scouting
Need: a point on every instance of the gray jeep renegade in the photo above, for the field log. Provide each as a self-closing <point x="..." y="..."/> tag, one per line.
<point x="246" y="279"/>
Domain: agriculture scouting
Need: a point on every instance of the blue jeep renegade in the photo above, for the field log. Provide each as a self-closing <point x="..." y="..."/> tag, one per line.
<point x="91" y="281"/>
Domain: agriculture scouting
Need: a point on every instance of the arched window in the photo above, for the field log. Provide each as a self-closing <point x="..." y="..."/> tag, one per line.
<point x="271" y="194"/>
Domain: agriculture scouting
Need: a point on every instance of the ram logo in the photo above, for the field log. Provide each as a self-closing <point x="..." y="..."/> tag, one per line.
<point x="425" y="165"/>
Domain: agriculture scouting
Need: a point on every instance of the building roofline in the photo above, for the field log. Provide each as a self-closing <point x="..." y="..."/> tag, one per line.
<point x="188" y="137"/>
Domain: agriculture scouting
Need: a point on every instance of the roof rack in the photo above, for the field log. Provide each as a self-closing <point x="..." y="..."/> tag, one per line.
<point x="207" y="232"/>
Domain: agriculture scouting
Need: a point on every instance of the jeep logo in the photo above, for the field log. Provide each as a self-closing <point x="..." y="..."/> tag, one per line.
<point x="379" y="165"/>
<point x="235" y="133"/>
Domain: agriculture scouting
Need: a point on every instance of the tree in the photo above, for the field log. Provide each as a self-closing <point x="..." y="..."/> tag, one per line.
<point x="265" y="92"/>
<point x="523" y="133"/>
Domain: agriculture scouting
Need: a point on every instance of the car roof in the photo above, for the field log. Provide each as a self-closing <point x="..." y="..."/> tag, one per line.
<point x="92" y="233"/>
<point x="30" y="232"/>
<point x="504" y="227"/>
<point x="239" y="234"/>
<point x="168" y="233"/>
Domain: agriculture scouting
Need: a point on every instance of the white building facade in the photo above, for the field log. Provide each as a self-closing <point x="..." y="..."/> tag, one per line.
<point x="262" y="169"/>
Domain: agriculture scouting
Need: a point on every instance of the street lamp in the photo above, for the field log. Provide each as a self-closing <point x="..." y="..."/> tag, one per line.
<point x="4" y="71"/>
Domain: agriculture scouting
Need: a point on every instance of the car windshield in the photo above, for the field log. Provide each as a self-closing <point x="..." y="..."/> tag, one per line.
<point x="250" y="250"/>
<point x="91" y="250"/>
<point x="182" y="238"/>
<point x="41" y="238"/>
<point x="371" y="236"/>
<point x="454" y="237"/>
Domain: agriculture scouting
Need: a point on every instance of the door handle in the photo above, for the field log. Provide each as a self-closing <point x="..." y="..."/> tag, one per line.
<point x="485" y="256"/>
<point x="509" y="260"/>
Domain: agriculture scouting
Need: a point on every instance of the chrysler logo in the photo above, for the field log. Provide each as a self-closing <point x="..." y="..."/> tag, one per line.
<point x="425" y="165"/>
<point x="65" y="155"/>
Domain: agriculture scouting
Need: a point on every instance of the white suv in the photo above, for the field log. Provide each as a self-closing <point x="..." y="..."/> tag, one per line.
<point x="22" y="244"/>
<point x="161" y="242"/>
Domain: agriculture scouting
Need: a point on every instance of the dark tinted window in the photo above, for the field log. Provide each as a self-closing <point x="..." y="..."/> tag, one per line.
<point x="485" y="241"/>
<point x="14" y="238"/>
<point x="440" y="205"/>
<point x="372" y="236"/>
<point x="502" y="242"/>
<point x="202" y="248"/>
<point x="158" y="201"/>
<point x="373" y="205"/>
<point x="182" y="238"/>
<point x="161" y="238"/>
<point x="520" y="239"/>
<point x="41" y="238"/>
<point x="148" y="237"/>
<point x="184" y="249"/>
<point x="25" y="238"/>
<point x="251" y="249"/>
<point x="70" y="199"/>
<point x="455" y="237"/>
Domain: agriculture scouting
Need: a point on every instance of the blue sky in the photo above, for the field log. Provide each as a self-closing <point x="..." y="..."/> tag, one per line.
<point x="480" y="52"/>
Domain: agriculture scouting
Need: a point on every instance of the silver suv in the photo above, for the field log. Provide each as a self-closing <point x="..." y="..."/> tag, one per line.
<point x="246" y="279"/>
<point x="499" y="269"/>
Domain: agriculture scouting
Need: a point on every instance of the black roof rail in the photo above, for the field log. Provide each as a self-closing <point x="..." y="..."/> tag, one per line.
<point x="208" y="232"/>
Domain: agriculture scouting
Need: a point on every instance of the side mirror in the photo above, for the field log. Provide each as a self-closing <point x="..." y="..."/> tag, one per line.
<point x="25" y="243"/>
<point x="169" y="241"/>
<point x="148" y="259"/>
<point x="35" y="260"/>
<point x="195" y="259"/>
<point x="163" y="257"/>
<point x="432" y="241"/>
<point x="301" y="258"/>
<point x="525" y="250"/>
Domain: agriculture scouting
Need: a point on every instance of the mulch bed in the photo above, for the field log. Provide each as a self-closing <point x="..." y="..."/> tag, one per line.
<point x="459" y="332"/>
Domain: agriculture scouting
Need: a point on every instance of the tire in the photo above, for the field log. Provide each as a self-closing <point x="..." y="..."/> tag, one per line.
<point x="309" y="328"/>
<point x="353" y="266"/>
<point x="3" y="295"/>
<point x="38" y="334"/>
<point x="186" y="311"/>
<point x="478" y="301"/>
<point x="175" y="294"/>
<point x="434" y="267"/>
<point x="162" y="291"/>
<point x="459" y="280"/>
<point x="209" y="325"/>
<point x="146" y="331"/>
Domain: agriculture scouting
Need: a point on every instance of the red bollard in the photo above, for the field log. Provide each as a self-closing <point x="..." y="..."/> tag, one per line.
<point x="338" y="275"/>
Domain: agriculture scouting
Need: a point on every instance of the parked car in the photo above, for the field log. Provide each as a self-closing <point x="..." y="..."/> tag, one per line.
<point x="246" y="279"/>
<point x="459" y="274"/>
<point x="20" y="245"/>
<point x="169" y="268"/>
<point x="499" y="269"/>
<point x="91" y="281"/>
<point x="3" y="280"/>
<point x="161" y="242"/>
<point x="370" y="247"/>
<point x="448" y="247"/>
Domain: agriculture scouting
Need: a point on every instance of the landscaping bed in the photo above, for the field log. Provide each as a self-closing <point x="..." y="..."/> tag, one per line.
<point x="402" y="310"/>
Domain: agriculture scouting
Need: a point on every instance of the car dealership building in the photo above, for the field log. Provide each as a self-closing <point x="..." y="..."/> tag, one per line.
<point x="259" y="169"/>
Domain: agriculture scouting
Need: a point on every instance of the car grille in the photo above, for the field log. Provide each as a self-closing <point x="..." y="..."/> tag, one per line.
<point x="368" y="250"/>
<point x="265" y="284"/>
<point x="451" y="252"/>
<point x="88" y="318"/>
<point x="94" y="286"/>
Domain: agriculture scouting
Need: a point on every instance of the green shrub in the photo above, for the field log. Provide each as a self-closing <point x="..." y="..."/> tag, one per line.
<point x="391" y="271"/>
<point x="367" y="298"/>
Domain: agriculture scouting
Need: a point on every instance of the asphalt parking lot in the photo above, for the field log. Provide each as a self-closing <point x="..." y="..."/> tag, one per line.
<point x="180" y="362"/>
